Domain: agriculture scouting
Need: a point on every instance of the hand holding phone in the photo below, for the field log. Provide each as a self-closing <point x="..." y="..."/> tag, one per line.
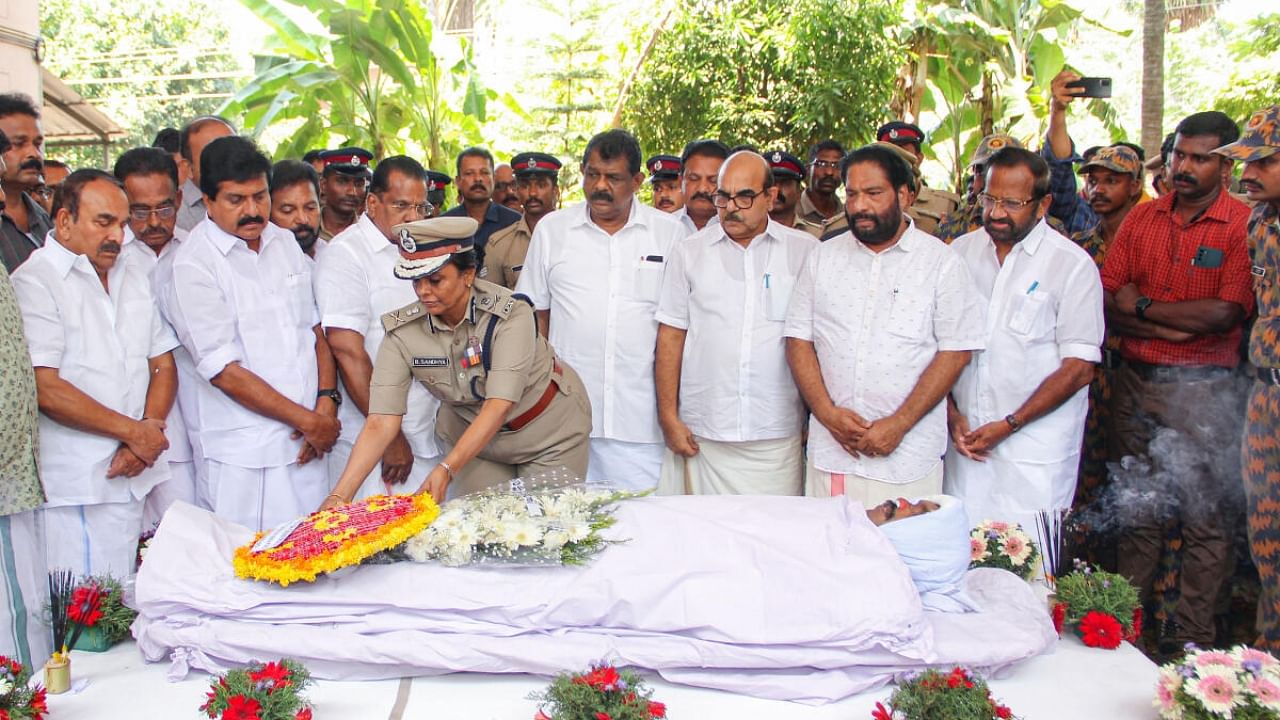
<point x="1093" y="87"/>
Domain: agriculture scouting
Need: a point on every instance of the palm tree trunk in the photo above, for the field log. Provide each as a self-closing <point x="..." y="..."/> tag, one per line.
<point x="1153" y="25"/>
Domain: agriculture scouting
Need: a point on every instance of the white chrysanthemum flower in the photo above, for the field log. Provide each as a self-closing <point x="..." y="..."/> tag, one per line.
<point x="527" y="534"/>
<point x="578" y="531"/>
<point x="555" y="539"/>
<point x="418" y="548"/>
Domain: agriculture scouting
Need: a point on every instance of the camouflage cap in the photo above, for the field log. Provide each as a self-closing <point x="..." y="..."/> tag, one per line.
<point x="1261" y="137"/>
<point x="1116" y="158"/>
<point x="990" y="145"/>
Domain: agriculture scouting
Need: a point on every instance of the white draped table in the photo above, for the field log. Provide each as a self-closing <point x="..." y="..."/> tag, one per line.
<point x="1072" y="683"/>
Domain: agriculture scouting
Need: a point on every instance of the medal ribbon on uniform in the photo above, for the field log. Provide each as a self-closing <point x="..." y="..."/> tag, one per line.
<point x="473" y="354"/>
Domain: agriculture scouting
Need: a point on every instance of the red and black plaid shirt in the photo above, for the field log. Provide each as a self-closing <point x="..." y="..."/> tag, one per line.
<point x="1155" y="251"/>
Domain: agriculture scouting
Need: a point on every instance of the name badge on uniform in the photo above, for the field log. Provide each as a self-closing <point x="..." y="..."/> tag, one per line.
<point x="420" y="362"/>
<point x="472" y="356"/>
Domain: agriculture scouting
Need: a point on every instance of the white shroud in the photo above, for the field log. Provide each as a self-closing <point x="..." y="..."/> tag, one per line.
<point x="778" y="597"/>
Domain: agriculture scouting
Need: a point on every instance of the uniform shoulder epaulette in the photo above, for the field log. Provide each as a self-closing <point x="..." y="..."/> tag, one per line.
<point x="494" y="299"/>
<point x="953" y="197"/>
<point x="403" y="316"/>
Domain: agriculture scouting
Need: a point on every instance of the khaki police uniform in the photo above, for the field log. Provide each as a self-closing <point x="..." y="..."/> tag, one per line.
<point x="504" y="255"/>
<point x="931" y="206"/>
<point x="810" y="220"/>
<point x="494" y="352"/>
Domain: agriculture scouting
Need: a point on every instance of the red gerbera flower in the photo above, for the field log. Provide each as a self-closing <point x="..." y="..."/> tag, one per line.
<point x="1135" y="629"/>
<point x="541" y="716"/>
<point x="1100" y="630"/>
<point x="657" y="709"/>
<point x="1003" y="712"/>
<point x="881" y="713"/>
<point x="240" y="707"/>
<point x="1059" y="616"/>
<point x="40" y="702"/>
<point x="86" y="605"/>
<point x="4" y="715"/>
<point x="603" y="716"/>
<point x="273" y="672"/>
<point x="602" y="678"/>
<point x="303" y="714"/>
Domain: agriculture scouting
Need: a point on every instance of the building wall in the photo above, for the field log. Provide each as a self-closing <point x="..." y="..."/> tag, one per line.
<point x="19" y="26"/>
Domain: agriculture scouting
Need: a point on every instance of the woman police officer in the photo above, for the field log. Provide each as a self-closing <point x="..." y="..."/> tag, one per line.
<point x="508" y="407"/>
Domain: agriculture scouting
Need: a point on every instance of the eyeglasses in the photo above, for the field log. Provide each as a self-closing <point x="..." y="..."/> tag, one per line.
<point x="144" y="214"/>
<point x="742" y="200"/>
<point x="829" y="164"/>
<point x="401" y="206"/>
<point x="990" y="202"/>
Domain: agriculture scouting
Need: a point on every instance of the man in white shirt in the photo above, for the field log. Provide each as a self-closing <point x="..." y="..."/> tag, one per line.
<point x="241" y="301"/>
<point x="729" y="410"/>
<point x="195" y="136"/>
<point x="355" y="286"/>
<point x="1017" y="413"/>
<point x="699" y="166"/>
<point x="593" y="273"/>
<point x="150" y="179"/>
<point x="883" y="319"/>
<point x="105" y="378"/>
<point x="295" y="203"/>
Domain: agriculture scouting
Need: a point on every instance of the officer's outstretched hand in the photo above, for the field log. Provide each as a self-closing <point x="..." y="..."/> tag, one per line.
<point x="437" y="483"/>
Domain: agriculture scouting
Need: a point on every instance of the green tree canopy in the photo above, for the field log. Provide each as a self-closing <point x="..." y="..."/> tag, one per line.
<point x="772" y="73"/>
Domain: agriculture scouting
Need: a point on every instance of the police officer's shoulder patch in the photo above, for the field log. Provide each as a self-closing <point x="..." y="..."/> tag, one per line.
<point x="494" y="299"/>
<point x="403" y="316"/>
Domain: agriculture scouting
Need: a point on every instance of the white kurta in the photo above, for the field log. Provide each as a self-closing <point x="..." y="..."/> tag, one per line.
<point x="877" y="319"/>
<point x="355" y="285"/>
<point x="1044" y="304"/>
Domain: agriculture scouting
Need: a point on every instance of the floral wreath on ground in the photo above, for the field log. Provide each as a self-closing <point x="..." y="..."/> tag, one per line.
<point x="262" y="691"/>
<point x="18" y="700"/>
<point x="333" y="539"/>
<point x="1101" y="607"/>
<point x="934" y="695"/>
<point x="1003" y="545"/>
<point x="601" y="693"/>
<point x="1241" y="684"/>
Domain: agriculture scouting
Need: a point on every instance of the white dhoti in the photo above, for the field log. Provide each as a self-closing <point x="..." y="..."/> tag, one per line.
<point x="261" y="498"/>
<point x="756" y="467"/>
<point x="624" y="465"/>
<point x="97" y="539"/>
<point x="869" y="491"/>
<point x="23" y="632"/>
<point x="181" y="485"/>
<point x="373" y="485"/>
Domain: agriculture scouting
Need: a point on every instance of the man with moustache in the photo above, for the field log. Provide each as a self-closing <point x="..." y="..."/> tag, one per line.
<point x="192" y="140"/>
<point x="788" y="174"/>
<point x="355" y="286"/>
<point x="105" y="379"/>
<point x="24" y="224"/>
<point x="504" y="186"/>
<point x="295" y="202"/>
<point x="55" y="171"/>
<point x="930" y="205"/>
<point x="968" y="217"/>
<point x="1017" y="413"/>
<point x="882" y="321"/>
<point x="819" y="212"/>
<point x="474" y="168"/>
<point x="240" y="299"/>
<point x="1259" y="149"/>
<point x="536" y="182"/>
<point x="664" y="182"/>
<point x="729" y="410"/>
<point x="343" y="185"/>
<point x="699" y="164"/>
<point x="1177" y="292"/>
<point x="593" y="273"/>
<point x="150" y="179"/>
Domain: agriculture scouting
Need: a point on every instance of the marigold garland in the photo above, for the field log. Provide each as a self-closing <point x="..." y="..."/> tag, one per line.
<point x="332" y="539"/>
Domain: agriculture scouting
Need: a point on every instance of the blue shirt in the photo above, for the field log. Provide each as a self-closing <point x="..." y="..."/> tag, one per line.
<point x="1068" y="207"/>
<point x="495" y="218"/>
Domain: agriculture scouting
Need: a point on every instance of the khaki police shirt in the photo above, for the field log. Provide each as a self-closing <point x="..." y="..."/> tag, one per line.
<point x="504" y="255"/>
<point x="813" y="222"/>
<point x="423" y="348"/>
<point x="930" y="207"/>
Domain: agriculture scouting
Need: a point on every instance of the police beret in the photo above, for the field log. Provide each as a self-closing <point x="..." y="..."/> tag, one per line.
<point x="900" y="133"/>
<point x="785" y="164"/>
<point x="535" y="163"/>
<point x="426" y="245"/>
<point x="348" y="160"/>
<point x="664" y="167"/>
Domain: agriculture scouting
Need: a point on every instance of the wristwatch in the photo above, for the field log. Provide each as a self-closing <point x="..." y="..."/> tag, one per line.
<point x="1140" y="307"/>
<point x="332" y="394"/>
<point x="1014" y="424"/>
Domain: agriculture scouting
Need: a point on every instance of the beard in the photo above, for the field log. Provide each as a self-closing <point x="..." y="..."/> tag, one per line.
<point x="306" y="237"/>
<point x="884" y="226"/>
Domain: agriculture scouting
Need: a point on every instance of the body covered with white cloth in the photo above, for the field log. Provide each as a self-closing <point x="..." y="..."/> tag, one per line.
<point x="779" y="597"/>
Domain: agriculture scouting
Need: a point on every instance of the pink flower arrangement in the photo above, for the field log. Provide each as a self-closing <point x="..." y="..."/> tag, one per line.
<point x="1243" y="684"/>
<point x="1003" y="545"/>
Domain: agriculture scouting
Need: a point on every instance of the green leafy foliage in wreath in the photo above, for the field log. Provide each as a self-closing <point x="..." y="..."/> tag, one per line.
<point x="265" y="691"/>
<point x="934" y="695"/>
<point x="1087" y="590"/>
<point x="601" y="693"/>
<point x="116" y="616"/>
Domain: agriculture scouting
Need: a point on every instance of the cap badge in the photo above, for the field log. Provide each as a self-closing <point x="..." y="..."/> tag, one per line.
<point x="406" y="241"/>
<point x="357" y="160"/>
<point x="995" y="143"/>
<point x="657" y="165"/>
<point x="1256" y="120"/>
<point x="893" y="134"/>
<point x="777" y="157"/>
<point x="532" y="163"/>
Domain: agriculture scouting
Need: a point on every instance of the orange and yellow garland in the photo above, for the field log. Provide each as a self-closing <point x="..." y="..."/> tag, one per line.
<point x="332" y="539"/>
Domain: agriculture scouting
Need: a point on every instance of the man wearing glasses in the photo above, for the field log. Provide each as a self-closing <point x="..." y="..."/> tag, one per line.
<point x="1017" y="413"/>
<point x="882" y="321"/>
<point x="728" y="408"/>
<point x="150" y="178"/>
<point x="968" y="217"/>
<point x="355" y="286"/>
<point x="593" y="273"/>
<point x="818" y="212"/>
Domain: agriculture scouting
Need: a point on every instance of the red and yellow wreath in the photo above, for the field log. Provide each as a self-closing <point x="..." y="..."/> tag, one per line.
<point x="332" y="539"/>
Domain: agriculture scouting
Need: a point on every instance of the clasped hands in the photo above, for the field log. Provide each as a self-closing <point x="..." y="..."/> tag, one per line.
<point x="859" y="436"/>
<point x="139" y="450"/>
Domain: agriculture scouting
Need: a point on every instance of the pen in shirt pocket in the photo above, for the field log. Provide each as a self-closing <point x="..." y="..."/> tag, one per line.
<point x="1033" y="287"/>
<point x="766" y="281"/>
